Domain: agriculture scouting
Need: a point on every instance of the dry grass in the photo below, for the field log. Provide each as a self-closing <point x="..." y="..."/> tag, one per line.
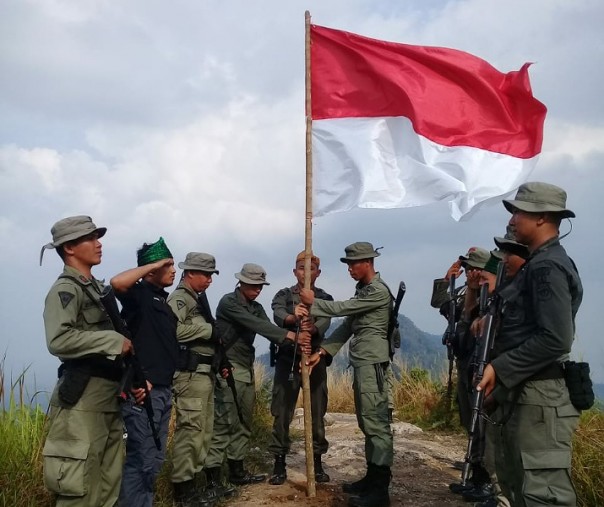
<point x="588" y="459"/>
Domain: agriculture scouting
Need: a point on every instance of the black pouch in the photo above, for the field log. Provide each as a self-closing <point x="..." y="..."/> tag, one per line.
<point x="74" y="382"/>
<point x="580" y="387"/>
<point x="186" y="360"/>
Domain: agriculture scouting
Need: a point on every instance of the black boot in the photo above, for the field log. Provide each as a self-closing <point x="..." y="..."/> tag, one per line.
<point x="239" y="475"/>
<point x="358" y="487"/>
<point x="214" y="483"/>
<point x="186" y="495"/>
<point x="320" y="475"/>
<point x="376" y="493"/>
<point x="279" y="471"/>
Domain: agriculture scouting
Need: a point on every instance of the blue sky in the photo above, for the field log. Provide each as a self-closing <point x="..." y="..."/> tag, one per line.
<point x="185" y="119"/>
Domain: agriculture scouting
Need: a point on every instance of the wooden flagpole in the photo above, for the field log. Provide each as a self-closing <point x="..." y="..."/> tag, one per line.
<point x="310" y="465"/>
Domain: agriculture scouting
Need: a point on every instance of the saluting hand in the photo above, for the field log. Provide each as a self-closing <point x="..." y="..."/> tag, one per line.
<point x="455" y="269"/>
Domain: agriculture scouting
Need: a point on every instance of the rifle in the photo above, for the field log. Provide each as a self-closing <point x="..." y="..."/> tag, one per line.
<point x="492" y="309"/>
<point x="394" y="336"/>
<point x="449" y="337"/>
<point x="133" y="376"/>
<point x="223" y="329"/>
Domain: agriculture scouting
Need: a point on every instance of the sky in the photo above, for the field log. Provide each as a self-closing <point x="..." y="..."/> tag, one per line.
<point x="185" y="119"/>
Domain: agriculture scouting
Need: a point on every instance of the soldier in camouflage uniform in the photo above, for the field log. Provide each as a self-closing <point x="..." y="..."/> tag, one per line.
<point x="83" y="452"/>
<point x="238" y="318"/>
<point x="525" y="375"/>
<point x="287" y="381"/>
<point x="194" y="380"/>
<point x="366" y="326"/>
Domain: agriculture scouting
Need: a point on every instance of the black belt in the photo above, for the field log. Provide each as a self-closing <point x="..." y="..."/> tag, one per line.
<point x="201" y="359"/>
<point x="110" y="371"/>
<point x="552" y="371"/>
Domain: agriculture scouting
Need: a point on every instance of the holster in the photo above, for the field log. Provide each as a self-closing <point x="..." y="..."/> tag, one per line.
<point x="189" y="360"/>
<point x="73" y="384"/>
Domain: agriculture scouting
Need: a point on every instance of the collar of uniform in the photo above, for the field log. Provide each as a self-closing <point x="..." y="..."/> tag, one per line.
<point x="155" y="288"/>
<point x="376" y="278"/>
<point x="548" y="244"/>
<point x="186" y="288"/>
<point x="68" y="270"/>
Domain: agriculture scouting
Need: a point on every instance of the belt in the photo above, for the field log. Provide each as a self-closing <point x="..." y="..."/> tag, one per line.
<point x="552" y="371"/>
<point x="109" y="371"/>
<point x="201" y="359"/>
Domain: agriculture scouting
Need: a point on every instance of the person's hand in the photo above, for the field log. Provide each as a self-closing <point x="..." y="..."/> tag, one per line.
<point x="473" y="278"/>
<point x="161" y="263"/>
<point x="304" y="342"/>
<point x="307" y="324"/>
<point x="455" y="269"/>
<point x="301" y="311"/>
<point x="489" y="378"/>
<point x="477" y="326"/>
<point x="312" y="361"/>
<point x="140" y="394"/>
<point x="307" y="296"/>
<point x="224" y="373"/>
<point x="127" y="347"/>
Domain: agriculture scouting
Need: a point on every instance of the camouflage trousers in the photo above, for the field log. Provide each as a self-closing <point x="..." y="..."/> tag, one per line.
<point x="194" y="404"/>
<point x="534" y="451"/>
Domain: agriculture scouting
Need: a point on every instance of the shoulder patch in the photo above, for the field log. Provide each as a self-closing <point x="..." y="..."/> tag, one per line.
<point x="180" y="304"/>
<point x="542" y="283"/>
<point x="65" y="298"/>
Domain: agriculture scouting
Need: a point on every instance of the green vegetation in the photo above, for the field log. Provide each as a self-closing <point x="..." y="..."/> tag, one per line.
<point x="418" y="399"/>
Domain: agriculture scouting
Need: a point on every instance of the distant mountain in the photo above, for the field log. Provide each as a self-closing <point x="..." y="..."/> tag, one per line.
<point x="418" y="348"/>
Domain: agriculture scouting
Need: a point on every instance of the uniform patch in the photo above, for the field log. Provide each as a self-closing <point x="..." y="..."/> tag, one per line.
<point x="543" y="284"/>
<point x="180" y="304"/>
<point x="65" y="298"/>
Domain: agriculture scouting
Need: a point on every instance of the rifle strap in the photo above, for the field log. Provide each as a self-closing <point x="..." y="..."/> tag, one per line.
<point x="85" y="289"/>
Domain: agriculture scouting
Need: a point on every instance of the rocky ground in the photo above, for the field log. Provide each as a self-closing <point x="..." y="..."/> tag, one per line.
<point x="422" y="468"/>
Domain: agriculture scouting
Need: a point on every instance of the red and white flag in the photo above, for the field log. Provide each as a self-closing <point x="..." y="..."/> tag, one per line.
<point x="395" y="125"/>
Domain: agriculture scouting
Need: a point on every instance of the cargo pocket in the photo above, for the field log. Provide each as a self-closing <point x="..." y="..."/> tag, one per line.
<point x="65" y="467"/>
<point x="567" y="419"/>
<point x="547" y="477"/>
<point x="190" y="413"/>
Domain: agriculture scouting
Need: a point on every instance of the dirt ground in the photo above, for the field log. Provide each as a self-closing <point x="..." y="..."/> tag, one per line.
<point x="422" y="470"/>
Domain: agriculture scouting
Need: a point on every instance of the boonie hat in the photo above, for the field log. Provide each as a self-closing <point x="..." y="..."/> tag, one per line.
<point x="509" y="244"/>
<point x="539" y="197"/>
<point x="252" y="274"/>
<point x="313" y="258"/>
<point x="199" y="261"/>
<point x="359" y="251"/>
<point x="70" y="229"/>
<point x="475" y="258"/>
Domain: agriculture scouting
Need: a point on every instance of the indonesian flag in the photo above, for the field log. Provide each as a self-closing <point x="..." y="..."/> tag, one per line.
<point x="395" y="125"/>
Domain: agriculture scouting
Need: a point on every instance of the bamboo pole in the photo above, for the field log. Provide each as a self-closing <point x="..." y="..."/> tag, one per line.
<point x="310" y="465"/>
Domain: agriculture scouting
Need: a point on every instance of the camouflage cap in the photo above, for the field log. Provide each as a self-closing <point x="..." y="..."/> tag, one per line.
<point x="252" y="274"/>
<point x="70" y="229"/>
<point x="475" y="258"/>
<point x="509" y="244"/>
<point x="359" y="251"/>
<point x="313" y="258"/>
<point x="538" y="197"/>
<point x="199" y="261"/>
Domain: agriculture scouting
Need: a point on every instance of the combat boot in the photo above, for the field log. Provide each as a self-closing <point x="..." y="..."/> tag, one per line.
<point x="240" y="476"/>
<point x="320" y="474"/>
<point x="376" y="493"/>
<point x="185" y="495"/>
<point x="279" y="471"/>
<point x="358" y="487"/>
<point x="214" y="483"/>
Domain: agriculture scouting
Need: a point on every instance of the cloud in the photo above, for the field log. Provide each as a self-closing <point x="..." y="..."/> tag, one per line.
<point x="186" y="119"/>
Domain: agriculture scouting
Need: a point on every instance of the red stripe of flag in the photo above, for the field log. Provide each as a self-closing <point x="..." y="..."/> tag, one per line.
<point x="451" y="97"/>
